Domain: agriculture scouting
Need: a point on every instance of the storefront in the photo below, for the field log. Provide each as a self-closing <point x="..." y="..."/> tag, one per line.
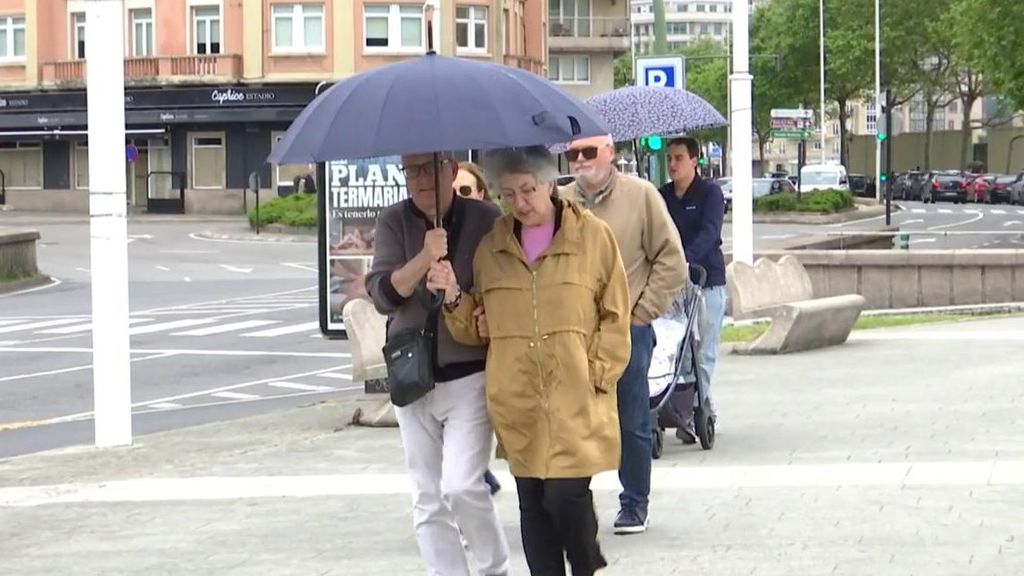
<point x="196" y="144"/>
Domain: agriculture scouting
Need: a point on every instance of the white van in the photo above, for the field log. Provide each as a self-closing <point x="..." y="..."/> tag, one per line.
<point x="823" y="177"/>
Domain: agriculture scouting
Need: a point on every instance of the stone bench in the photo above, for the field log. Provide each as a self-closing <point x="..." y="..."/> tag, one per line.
<point x="782" y="292"/>
<point x="367" y="332"/>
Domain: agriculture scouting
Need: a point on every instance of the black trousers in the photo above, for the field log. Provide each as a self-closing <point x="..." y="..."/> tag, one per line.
<point x="558" y="522"/>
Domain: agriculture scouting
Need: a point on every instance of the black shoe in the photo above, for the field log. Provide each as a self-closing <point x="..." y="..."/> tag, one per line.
<point x="492" y="482"/>
<point x="631" y="521"/>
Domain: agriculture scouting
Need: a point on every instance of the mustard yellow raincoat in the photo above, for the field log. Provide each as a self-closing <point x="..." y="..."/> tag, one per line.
<point x="559" y="341"/>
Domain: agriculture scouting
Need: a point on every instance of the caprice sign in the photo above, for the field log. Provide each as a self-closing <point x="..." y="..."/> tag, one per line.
<point x="230" y="96"/>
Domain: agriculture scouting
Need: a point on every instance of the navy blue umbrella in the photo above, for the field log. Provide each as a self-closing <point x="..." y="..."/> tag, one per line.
<point x="434" y="103"/>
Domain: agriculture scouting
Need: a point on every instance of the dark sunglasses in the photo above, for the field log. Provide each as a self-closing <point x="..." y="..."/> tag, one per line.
<point x="589" y="153"/>
<point x="465" y="191"/>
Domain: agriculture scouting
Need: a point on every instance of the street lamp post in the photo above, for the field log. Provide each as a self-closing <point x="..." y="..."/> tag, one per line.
<point x="108" y="224"/>
<point x="821" y="65"/>
<point x="741" y="135"/>
<point x="878" y="100"/>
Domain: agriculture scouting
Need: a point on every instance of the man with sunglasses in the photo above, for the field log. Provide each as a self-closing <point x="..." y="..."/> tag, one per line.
<point x="653" y="257"/>
<point x="447" y="434"/>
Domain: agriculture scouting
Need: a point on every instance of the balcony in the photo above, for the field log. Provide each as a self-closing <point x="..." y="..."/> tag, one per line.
<point x="588" y="34"/>
<point x="530" y="63"/>
<point x="154" y="70"/>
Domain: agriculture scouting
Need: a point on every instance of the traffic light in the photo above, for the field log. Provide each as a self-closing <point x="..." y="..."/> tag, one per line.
<point x="884" y="177"/>
<point x="652" y="143"/>
<point x="882" y="135"/>
<point x="703" y="160"/>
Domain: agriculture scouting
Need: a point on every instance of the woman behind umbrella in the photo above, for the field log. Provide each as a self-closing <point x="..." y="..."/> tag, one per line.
<point x="551" y="280"/>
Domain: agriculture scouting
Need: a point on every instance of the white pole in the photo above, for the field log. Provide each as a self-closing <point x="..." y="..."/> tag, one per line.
<point x="741" y="135"/>
<point x="821" y="65"/>
<point x="878" y="100"/>
<point x="104" y="53"/>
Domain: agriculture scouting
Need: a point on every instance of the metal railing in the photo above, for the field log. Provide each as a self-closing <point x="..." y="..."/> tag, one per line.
<point x="530" y="63"/>
<point x="151" y="67"/>
<point x="588" y="27"/>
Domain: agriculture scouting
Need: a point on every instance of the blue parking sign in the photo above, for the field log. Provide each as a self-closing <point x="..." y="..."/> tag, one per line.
<point x="667" y="71"/>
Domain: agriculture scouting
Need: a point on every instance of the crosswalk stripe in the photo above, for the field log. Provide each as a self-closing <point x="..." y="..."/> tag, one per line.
<point x="220" y="329"/>
<point x="235" y="395"/>
<point x="6" y="322"/>
<point x="999" y="211"/>
<point x="86" y="327"/>
<point x="335" y="375"/>
<point x="918" y="210"/>
<point x="297" y="386"/>
<point x="163" y="405"/>
<point x="43" y="324"/>
<point x="283" y="330"/>
<point x="945" y="211"/>
<point x="163" y="326"/>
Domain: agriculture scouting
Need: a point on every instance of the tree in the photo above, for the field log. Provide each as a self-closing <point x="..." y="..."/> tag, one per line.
<point x="990" y="36"/>
<point x="623" y="70"/>
<point x="849" y="58"/>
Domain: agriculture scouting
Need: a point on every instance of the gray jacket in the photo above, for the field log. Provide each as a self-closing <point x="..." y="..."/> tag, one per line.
<point x="397" y="240"/>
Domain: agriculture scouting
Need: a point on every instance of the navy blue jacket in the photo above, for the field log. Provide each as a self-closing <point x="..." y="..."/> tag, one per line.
<point x="698" y="216"/>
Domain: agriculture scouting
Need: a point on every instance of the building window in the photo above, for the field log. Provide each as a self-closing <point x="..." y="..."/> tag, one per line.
<point x="393" y="27"/>
<point x="22" y="164"/>
<point x="952" y="125"/>
<point x="569" y="69"/>
<point x="836" y="149"/>
<point x="142" y="32"/>
<point x="286" y="174"/>
<point x="471" y="27"/>
<point x="570" y="17"/>
<point x="298" y="27"/>
<point x="701" y="8"/>
<point x="12" y="38"/>
<point x="717" y="28"/>
<point x="704" y="29"/>
<point x="872" y="120"/>
<point x="81" y="165"/>
<point x="206" y="29"/>
<point x="78" y="35"/>
<point x="207" y="161"/>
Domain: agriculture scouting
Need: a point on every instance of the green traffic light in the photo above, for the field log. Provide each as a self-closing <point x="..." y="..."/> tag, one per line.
<point x="655" y="143"/>
<point x="882" y="136"/>
<point x="884" y="177"/>
<point x="703" y="161"/>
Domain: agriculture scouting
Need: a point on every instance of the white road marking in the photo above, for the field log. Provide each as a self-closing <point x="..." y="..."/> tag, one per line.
<point x="986" y="335"/>
<point x="141" y="236"/>
<point x="187" y="279"/>
<point x="82" y="269"/>
<point x="6" y="322"/>
<point x="235" y="395"/>
<point x="922" y="240"/>
<point x="164" y="268"/>
<point x="44" y="324"/>
<point x="1011" y="223"/>
<point x="998" y="211"/>
<point x="919" y="211"/>
<point x="85" y="327"/>
<point x="225" y="328"/>
<point x="283" y="330"/>
<point x="335" y="375"/>
<point x="190" y="252"/>
<point x="1020" y="211"/>
<point x="73" y="369"/>
<point x="977" y="216"/>
<point x="186" y="352"/>
<point x="914" y="221"/>
<point x="783" y="476"/>
<point x="163" y="326"/>
<point x="230" y="268"/>
<point x="945" y="211"/>
<point x="53" y="282"/>
<point x="165" y="405"/>
<point x="309" y="267"/>
<point x="777" y="236"/>
<point x="227" y="300"/>
<point x="298" y="386"/>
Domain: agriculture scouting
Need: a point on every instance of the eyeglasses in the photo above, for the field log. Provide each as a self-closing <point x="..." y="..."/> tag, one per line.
<point x="465" y="191"/>
<point x="589" y="153"/>
<point x="417" y="170"/>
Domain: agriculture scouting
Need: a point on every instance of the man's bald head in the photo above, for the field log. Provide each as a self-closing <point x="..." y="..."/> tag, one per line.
<point x="591" y="160"/>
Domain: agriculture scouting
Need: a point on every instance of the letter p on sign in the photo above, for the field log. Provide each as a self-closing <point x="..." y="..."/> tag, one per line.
<point x="661" y="71"/>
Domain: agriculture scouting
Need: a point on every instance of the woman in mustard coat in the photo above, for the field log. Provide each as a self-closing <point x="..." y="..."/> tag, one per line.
<point x="550" y="294"/>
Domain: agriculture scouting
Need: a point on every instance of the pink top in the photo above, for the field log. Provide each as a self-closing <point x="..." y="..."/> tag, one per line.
<point x="536" y="239"/>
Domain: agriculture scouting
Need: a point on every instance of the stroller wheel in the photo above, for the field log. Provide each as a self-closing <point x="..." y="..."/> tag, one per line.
<point x="658" y="443"/>
<point x="705" y="425"/>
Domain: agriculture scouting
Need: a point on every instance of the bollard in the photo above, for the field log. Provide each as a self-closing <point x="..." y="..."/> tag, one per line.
<point x="904" y="241"/>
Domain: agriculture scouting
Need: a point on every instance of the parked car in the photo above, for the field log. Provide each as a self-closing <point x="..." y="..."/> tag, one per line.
<point x="979" y="187"/>
<point x="859" y="185"/>
<point x="1002" y="187"/>
<point x="823" y="177"/>
<point x="946" y="186"/>
<point x="726" y="185"/>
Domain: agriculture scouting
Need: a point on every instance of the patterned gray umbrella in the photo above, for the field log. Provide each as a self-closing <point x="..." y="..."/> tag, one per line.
<point x="636" y="111"/>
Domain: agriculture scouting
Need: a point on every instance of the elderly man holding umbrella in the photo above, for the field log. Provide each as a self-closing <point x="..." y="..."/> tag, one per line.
<point x="436" y="104"/>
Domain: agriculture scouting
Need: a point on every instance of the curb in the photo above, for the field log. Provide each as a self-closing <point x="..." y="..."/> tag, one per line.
<point x="873" y="211"/>
<point x="271" y="237"/>
<point x="24" y="283"/>
<point x="966" y="309"/>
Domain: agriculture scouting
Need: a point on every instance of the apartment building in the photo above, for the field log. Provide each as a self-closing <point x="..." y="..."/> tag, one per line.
<point x="584" y="39"/>
<point x="210" y="85"/>
<point x="686" y="21"/>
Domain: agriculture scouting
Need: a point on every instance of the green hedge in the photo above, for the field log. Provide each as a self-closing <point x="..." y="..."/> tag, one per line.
<point x="297" y="210"/>
<point x="821" y="201"/>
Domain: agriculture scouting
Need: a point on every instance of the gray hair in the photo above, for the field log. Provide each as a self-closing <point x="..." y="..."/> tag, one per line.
<point x="534" y="160"/>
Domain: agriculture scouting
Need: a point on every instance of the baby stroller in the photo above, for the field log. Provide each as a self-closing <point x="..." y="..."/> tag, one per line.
<point x="673" y="377"/>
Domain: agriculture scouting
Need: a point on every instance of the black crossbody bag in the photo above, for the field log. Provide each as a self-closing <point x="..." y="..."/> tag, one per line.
<point x="411" y="354"/>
